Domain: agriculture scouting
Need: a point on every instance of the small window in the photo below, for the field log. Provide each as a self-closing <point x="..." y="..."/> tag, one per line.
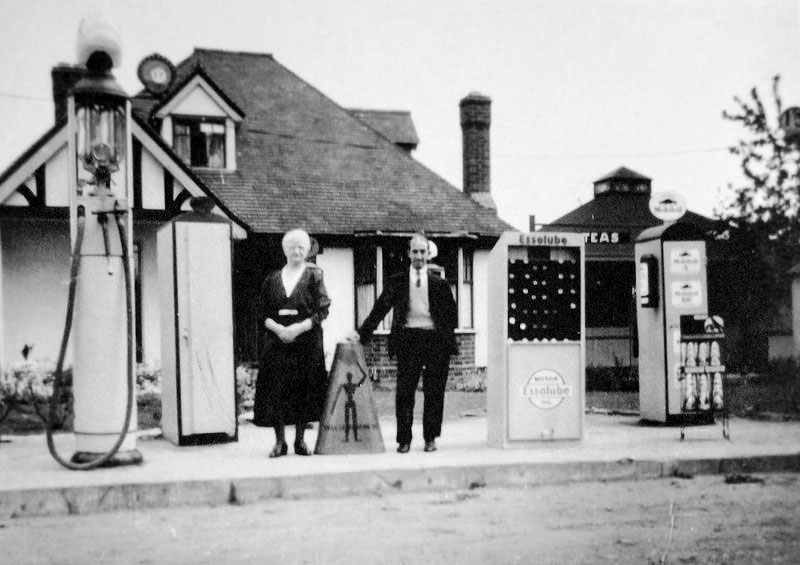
<point x="200" y="142"/>
<point x="365" y="279"/>
<point x="609" y="287"/>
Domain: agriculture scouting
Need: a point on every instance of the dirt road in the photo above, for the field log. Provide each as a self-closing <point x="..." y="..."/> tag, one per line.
<point x="693" y="520"/>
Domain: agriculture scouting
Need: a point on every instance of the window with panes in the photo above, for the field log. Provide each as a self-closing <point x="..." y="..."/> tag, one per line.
<point x="200" y="142"/>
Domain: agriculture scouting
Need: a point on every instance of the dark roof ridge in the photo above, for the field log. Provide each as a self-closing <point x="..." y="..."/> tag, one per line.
<point x="229" y="52"/>
<point x="408" y="112"/>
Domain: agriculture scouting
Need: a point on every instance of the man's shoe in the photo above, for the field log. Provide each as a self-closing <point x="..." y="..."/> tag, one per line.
<point x="430" y="445"/>
<point x="403" y="448"/>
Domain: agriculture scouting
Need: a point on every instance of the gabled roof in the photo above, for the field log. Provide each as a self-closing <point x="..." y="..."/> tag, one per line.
<point x="200" y="73"/>
<point x="621" y="210"/>
<point x="304" y="161"/>
<point x="42" y="150"/>
<point x="395" y="125"/>
<point x="622" y="173"/>
<point x="30" y="152"/>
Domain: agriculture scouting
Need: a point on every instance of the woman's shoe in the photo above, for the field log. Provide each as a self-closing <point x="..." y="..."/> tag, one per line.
<point x="279" y="450"/>
<point x="300" y="448"/>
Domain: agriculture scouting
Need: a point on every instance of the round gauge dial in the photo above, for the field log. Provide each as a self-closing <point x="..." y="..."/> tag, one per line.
<point x="156" y="73"/>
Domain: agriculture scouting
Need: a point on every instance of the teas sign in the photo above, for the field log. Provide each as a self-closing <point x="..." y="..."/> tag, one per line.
<point x="667" y="206"/>
<point x="546" y="389"/>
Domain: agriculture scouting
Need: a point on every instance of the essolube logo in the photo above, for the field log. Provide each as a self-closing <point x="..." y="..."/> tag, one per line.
<point x="546" y="389"/>
<point x="542" y="238"/>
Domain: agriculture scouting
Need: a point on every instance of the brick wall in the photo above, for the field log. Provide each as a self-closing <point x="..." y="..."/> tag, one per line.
<point x="378" y="360"/>
<point x="476" y="118"/>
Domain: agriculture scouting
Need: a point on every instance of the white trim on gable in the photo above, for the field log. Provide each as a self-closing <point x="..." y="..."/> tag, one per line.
<point x="198" y="98"/>
<point x="158" y="156"/>
<point x="165" y="160"/>
<point x="28" y="168"/>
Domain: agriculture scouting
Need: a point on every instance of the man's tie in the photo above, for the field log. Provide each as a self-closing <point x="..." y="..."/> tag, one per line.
<point x="418" y="279"/>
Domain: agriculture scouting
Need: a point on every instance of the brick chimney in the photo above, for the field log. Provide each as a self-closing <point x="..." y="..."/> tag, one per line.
<point x="476" y="117"/>
<point x="64" y="78"/>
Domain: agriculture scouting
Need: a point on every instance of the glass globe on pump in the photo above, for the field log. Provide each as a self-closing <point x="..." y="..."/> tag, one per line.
<point x="99" y="102"/>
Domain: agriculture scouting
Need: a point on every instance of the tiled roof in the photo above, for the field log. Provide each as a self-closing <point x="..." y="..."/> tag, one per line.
<point x="621" y="210"/>
<point x="396" y="125"/>
<point x="304" y="161"/>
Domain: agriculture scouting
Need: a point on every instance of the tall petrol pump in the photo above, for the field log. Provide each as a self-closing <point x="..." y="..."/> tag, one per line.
<point x="672" y="287"/>
<point x="536" y="338"/>
<point x="100" y="309"/>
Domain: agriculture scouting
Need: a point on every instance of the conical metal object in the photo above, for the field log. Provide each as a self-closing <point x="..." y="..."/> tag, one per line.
<point x="349" y="423"/>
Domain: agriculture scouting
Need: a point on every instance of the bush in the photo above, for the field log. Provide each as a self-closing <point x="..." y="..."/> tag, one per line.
<point x="27" y="387"/>
<point x="148" y="380"/>
<point x="246" y="375"/>
<point x="612" y="379"/>
<point x="473" y="380"/>
<point x="776" y="391"/>
<point x="148" y="410"/>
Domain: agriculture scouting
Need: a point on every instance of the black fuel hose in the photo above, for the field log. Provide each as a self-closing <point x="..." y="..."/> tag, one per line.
<point x="58" y="379"/>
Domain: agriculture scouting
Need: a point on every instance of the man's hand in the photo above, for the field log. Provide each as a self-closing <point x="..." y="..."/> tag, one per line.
<point x="353" y="337"/>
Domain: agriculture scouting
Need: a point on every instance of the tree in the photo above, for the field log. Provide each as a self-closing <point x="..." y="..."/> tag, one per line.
<point x="771" y="199"/>
<point x="760" y="227"/>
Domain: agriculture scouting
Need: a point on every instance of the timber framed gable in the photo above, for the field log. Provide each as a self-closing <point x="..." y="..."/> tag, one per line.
<point x="35" y="185"/>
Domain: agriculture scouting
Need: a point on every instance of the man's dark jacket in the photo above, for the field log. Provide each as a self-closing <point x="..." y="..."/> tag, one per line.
<point x="395" y="295"/>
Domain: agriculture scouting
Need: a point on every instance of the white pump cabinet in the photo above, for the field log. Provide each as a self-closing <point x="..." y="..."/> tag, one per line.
<point x="536" y="338"/>
<point x="198" y="371"/>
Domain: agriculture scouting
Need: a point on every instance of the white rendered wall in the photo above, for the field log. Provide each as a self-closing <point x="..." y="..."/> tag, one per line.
<point x="56" y="179"/>
<point x="35" y="270"/>
<point x="152" y="182"/>
<point x="198" y="103"/>
<point x="480" y="299"/>
<point x="145" y="237"/>
<point x="2" y="310"/>
<point x="337" y="262"/>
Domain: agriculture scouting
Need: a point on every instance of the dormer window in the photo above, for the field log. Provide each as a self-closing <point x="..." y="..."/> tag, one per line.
<point x="200" y="142"/>
<point x="199" y="121"/>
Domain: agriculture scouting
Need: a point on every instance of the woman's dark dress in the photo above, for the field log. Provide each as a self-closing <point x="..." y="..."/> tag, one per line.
<point x="292" y="381"/>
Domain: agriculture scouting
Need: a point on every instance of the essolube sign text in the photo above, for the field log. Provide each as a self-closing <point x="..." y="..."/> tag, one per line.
<point x="541" y="239"/>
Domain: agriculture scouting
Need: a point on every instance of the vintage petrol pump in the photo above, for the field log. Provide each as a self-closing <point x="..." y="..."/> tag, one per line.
<point x="100" y="309"/>
<point x="536" y="338"/>
<point x="671" y="284"/>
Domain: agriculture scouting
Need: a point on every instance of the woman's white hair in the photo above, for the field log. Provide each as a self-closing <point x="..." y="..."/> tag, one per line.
<point x="298" y="235"/>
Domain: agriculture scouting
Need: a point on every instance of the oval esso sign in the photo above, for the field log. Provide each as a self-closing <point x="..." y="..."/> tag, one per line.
<point x="667" y="206"/>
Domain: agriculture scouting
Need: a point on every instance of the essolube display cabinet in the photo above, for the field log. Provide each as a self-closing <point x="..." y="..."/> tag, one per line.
<point x="536" y="338"/>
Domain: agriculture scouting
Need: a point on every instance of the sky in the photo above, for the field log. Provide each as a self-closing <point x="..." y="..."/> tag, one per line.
<point x="578" y="87"/>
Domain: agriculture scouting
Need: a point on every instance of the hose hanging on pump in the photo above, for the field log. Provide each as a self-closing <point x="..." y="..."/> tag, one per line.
<point x="58" y="377"/>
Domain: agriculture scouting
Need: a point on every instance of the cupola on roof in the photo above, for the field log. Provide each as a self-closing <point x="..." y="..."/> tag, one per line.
<point x="622" y="181"/>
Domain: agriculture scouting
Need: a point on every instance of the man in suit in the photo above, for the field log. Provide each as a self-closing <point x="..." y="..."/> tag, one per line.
<point x="422" y="339"/>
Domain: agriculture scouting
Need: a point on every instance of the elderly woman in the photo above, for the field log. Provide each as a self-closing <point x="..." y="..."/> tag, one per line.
<point x="292" y="381"/>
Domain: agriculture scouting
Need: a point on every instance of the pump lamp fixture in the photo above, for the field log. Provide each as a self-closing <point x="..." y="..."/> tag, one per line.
<point x="100" y="104"/>
<point x="100" y="115"/>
